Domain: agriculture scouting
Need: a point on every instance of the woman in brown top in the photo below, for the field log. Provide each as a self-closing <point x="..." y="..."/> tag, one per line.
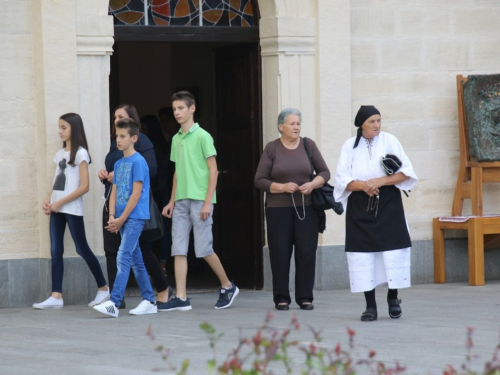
<point x="284" y="174"/>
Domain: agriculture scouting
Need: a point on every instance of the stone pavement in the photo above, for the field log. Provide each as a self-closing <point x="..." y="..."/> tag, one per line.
<point x="78" y="340"/>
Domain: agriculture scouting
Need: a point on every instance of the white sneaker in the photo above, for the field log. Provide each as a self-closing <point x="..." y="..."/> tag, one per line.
<point x="101" y="296"/>
<point x="145" y="307"/>
<point x="50" y="303"/>
<point x="107" y="308"/>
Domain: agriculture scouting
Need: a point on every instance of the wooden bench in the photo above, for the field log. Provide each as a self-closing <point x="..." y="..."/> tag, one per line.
<point x="483" y="232"/>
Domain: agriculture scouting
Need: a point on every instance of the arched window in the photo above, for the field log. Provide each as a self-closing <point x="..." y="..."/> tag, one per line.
<point x="238" y="13"/>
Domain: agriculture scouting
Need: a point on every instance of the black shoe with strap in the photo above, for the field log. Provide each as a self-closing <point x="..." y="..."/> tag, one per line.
<point x="306" y="306"/>
<point x="282" y="307"/>
<point x="394" y="308"/>
<point x="369" y="315"/>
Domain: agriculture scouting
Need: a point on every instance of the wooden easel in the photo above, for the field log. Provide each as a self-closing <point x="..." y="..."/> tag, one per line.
<point x="483" y="232"/>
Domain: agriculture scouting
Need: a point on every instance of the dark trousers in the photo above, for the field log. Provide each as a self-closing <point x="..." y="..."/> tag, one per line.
<point x="76" y="226"/>
<point x="284" y="233"/>
<point x="112" y="244"/>
<point x="166" y="240"/>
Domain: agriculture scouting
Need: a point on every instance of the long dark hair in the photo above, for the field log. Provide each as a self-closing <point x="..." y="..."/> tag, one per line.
<point x="154" y="130"/>
<point x="78" y="138"/>
<point x="131" y="112"/>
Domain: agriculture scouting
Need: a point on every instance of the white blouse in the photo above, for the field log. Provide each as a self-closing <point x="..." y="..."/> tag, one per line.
<point x="358" y="164"/>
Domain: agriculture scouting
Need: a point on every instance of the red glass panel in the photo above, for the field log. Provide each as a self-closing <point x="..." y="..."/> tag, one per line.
<point x="182" y="12"/>
<point x="182" y="9"/>
<point x="248" y="9"/>
<point x="163" y="10"/>
<point x="129" y="17"/>
<point x="118" y="4"/>
<point x="212" y="15"/>
<point x="196" y="4"/>
<point x="160" y="22"/>
<point x="235" y="4"/>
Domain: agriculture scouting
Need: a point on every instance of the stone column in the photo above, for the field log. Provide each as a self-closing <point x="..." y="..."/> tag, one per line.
<point x="333" y="90"/>
<point x="287" y="39"/>
<point x="55" y="89"/>
<point x="306" y="63"/>
<point x="94" y="42"/>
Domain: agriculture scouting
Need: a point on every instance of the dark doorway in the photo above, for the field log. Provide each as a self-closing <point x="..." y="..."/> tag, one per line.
<point x="238" y="133"/>
<point x="225" y="78"/>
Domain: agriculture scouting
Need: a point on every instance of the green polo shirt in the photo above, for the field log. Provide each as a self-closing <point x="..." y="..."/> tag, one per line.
<point x="189" y="153"/>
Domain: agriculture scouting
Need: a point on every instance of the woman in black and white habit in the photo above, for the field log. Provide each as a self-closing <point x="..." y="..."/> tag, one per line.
<point x="377" y="238"/>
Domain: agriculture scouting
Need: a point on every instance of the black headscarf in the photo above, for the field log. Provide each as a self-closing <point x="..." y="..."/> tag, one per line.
<point x="364" y="113"/>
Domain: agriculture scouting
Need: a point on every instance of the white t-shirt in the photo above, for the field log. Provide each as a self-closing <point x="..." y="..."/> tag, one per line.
<point x="67" y="180"/>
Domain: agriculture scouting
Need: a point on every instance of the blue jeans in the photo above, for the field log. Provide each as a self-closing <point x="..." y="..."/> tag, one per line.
<point x="77" y="229"/>
<point x="130" y="256"/>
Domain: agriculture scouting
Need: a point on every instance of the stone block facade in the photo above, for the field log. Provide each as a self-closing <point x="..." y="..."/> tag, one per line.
<point x="405" y="57"/>
<point x="325" y="57"/>
<point x="18" y="184"/>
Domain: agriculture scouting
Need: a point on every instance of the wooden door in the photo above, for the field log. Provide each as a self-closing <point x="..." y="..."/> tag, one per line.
<point x="238" y="216"/>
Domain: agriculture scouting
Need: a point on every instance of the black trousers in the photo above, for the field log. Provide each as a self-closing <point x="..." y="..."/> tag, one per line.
<point x="111" y="246"/>
<point x="284" y="232"/>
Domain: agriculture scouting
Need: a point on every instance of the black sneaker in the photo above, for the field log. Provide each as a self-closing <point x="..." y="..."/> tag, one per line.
<point x="175" y="303"/>
<point x="227" y="296"/>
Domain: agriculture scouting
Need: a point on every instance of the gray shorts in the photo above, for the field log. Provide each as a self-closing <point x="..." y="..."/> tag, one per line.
<point x="186" y="216"/>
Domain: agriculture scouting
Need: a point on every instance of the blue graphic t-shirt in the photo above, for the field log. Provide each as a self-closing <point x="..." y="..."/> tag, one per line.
<point x="127" y="171"/>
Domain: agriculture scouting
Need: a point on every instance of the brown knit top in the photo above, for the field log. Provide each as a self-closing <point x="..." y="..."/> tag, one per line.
<point x="281" y="165"/>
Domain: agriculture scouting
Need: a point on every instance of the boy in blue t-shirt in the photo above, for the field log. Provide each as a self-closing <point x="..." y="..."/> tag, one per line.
<point x="129" y="209"/>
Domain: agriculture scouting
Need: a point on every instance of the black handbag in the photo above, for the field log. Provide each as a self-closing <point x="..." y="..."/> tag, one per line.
<point x="322" y="198"/>
<point x="391" y="164"/>
<point x="153" y="227"/>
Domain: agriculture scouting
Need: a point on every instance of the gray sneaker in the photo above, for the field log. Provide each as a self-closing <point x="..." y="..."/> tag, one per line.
<point x="175" y="303"/>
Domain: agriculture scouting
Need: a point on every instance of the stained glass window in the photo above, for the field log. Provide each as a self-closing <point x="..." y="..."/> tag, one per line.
<point x="183" y="12"/>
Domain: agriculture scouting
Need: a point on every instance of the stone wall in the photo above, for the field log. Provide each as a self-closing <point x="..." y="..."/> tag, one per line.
<point x="405" y="57"/>
<point x="325" y="57"/>
<point x="18" y="142"/>
<point x="55" y="59"/>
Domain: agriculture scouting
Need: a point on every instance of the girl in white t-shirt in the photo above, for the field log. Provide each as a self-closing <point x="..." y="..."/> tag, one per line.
<point x="64" y="204"/>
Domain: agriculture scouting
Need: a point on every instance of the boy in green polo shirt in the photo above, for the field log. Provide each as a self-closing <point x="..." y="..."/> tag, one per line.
<point x="191" y="203"/>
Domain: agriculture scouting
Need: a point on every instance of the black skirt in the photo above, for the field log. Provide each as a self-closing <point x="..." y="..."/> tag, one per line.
<point x="376" y="229"/>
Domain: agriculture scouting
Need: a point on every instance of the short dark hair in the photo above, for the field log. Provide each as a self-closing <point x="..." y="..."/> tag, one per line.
<point x="184" y="96"/>
<point x="130" y="125"/>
